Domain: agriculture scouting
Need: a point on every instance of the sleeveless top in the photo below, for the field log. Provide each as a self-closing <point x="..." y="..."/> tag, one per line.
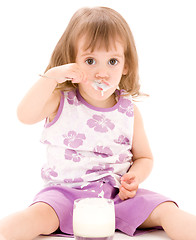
<point x="87" y="143"/>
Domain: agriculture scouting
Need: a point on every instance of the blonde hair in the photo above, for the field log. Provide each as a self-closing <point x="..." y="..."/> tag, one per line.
<point x="98" y="25"/>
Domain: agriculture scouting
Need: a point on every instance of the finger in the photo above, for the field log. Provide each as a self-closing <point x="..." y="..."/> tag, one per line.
<point x="127" y="194"/>
<point x="73" y="72"/>
<point x="75" y="76"/>
<point x="130" y="187"/>
<point x="122" y="195"/>
<point x="128" y="176"/>
<point x="132" y="194"/>
<point x="79" y="77"/>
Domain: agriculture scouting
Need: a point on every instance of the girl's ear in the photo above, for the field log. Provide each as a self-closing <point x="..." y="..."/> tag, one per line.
<point x="125" y="70"/>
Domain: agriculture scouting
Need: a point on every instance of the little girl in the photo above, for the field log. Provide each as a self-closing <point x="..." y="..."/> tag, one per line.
<point x="96" y="143"/>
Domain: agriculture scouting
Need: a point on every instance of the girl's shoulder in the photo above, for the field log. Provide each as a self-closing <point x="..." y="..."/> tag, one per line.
<point x="58" y="100"/>
<point x="138" y="120"/>
<point x="125" y="95"/>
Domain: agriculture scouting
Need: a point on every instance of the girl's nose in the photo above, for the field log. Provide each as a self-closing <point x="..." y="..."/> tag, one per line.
<point x="102" y="75"/>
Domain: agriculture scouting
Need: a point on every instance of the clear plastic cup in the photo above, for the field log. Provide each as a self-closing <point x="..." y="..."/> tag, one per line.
<point x="93" y="218"/>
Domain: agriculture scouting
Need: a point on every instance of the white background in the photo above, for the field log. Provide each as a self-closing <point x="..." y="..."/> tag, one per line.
<point x="165" y="35"/>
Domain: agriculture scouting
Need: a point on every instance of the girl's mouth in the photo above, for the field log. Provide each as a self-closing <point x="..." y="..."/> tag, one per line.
<point x="101" y="86"/>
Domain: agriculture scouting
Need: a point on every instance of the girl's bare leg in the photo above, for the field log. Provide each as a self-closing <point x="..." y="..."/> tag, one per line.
<point x="38" y="219"/>
<point x="179" y="225"/>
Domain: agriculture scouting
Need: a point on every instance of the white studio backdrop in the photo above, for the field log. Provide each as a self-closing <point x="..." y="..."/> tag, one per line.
<point x="165" y="36"/>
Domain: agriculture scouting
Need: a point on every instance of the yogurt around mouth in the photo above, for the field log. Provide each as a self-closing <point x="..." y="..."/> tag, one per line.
<point x="101" y="86"/>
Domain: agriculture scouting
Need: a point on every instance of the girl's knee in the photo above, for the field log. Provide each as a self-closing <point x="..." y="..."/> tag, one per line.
<point x="164" y="207"/>
<point x="46" y="215"/>
<point x="155" y="218"/>
<point x="37" y="219"/>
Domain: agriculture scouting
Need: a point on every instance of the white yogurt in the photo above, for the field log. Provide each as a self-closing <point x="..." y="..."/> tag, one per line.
<point x="94" y="217"/>
<point x="100" y="86"/>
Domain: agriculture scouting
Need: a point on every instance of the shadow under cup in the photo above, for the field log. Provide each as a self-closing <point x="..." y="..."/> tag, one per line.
<point x="93" y="218"/>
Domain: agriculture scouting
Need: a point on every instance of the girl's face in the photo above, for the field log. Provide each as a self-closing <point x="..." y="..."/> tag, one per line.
<point x="101" y="66"/>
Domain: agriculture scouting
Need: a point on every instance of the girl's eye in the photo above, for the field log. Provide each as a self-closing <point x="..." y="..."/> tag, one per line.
<point x="113" y="61"/>
<point x="90" y="61"/>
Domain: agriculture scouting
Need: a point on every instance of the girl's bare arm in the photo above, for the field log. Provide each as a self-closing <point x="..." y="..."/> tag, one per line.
<point x="142" y="160"/>
<point x="42" y="101"/>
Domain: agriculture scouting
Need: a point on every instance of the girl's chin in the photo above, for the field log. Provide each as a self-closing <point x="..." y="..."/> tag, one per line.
<point x="97" y="94"/>
<point x="102" y="94"/>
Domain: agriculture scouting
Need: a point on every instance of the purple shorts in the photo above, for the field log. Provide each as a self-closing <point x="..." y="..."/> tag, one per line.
<point x="130" y="213"/>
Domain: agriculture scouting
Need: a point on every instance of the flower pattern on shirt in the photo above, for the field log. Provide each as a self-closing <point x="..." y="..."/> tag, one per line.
<point x="122" y="158"/>
<point x="100" y="169"/>
<point x="122" y="140"/>
<point x="49" y="173"/>
<point x="73" y="139"/>
<point x="72" y="99"/>
<point x="87" y="145"/>
<point x="70" y="180"/>
<point x="46" y="142"/>
<point x="103" y="151"/>
<point x="72" y="155"/>
<point x="126" y="107"/>
<point x="100" y="123"/>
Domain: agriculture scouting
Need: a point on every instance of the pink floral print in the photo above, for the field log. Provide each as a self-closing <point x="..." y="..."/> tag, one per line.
<point x="46" y="142"/>
<point x="72" y="155"/>
<point x="122" y="140"/>
<point x="100" y="123"/>
<point x="101" y="169"/>
<point x="103" y="151"/>
<point x="70" y="180"/>
<point x="122" y="158"/>
<point x="98" y="152"/>
<point x="126" y="107"/>
<point x="49" y="173"/>
<point x="74" y="140"/>
<point x="72" y="99"/>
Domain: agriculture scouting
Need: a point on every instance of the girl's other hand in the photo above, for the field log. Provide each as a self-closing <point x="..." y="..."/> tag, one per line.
<point x="129" y="186"/>
<point x="66" y="72"/>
